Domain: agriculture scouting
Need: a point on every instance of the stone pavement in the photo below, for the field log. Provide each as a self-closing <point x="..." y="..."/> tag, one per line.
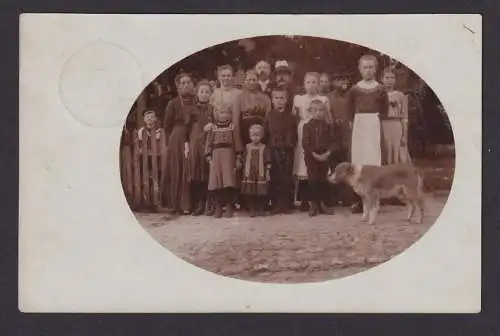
<point x="290" y="248"/>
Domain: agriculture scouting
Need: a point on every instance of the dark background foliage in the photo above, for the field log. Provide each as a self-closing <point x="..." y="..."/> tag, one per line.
<point x="429" y="123"/>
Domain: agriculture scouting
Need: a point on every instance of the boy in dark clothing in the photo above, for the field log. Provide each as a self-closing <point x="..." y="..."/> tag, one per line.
<point x="319" y="143"/>
<point x="281" y="128"/>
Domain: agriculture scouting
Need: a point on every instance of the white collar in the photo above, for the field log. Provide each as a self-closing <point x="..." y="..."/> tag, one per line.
<point x="264" y="83"/>
<point x="368" y="86"/>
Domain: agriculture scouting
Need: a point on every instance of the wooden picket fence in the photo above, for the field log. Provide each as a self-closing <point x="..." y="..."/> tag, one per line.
<point x="142" y="163"/>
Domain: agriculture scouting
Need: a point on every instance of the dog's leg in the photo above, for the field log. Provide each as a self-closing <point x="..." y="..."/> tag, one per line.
<point x="365" y="201"/>
<point x="420" y="210"/>
<point x="411" y="209"/>
<point x="373" y="212"/>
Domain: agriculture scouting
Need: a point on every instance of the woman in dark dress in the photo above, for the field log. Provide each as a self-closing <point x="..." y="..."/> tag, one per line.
<point x="251" y="107"/>
<point x="176" y="121"/>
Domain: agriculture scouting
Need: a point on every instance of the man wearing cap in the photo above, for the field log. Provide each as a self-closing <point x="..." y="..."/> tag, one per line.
<point x="283" y="78"/>
<point x="338" y="110"/>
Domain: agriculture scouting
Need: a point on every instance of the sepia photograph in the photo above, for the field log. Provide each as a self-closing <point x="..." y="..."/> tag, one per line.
<point x="287" y="158"/>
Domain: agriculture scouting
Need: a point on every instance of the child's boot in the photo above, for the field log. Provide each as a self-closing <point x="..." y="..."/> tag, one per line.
<point x="218" y="209"/>
<point x="229" y="210"/>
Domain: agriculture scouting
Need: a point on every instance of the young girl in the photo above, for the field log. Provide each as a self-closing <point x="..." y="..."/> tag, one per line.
<point x="223" y="153"/>
<point x="225" y="96"/>
<point x="197" y="165"/>
<point x="395" y="125"/>
<point x="301" y="105"/>
<point x="319" y="144"/>
<point x="324" y="84"/>
<point x="367" y="103"/>
<point x="256" y="171"/>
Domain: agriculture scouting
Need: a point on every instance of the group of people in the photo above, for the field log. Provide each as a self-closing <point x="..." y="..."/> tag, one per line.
<point x="265" y="147"/>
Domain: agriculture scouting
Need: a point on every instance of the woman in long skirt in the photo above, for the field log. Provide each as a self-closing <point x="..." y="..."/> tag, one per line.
<point x="395" y="126"/>
<point x="175" y="186"/>
<point x="367" y="103"/>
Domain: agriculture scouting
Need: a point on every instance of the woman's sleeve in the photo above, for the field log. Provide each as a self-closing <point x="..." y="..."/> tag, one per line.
<point x="384" y="104"/>
<point x="267" y="156"/>
<point x="328" y="116"/>
<point x="404" y="109"/>
<point x="350" y="104"/>
<point x="188" y="125"/>
<point x="209" y="144"/>
<point x="238" y="143"/>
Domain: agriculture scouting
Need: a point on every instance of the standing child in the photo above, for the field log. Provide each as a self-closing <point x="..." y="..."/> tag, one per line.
<point x="395" y="125"/>
<point x="201" y="116"/>
<point x="223" y="153"/>
<point x="301" y="105"/>
<point x="256" y="175"/>
<point x="281" y="129"/>
<point x="148" y="136"/>
<point x="367" y="104"/>
<point x="319" y="144"/>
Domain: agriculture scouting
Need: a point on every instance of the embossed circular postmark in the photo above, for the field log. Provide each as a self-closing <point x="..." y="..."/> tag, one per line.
<point x="98" y="84"/>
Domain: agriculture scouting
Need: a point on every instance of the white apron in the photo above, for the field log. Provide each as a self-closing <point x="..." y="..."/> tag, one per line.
<point x="365" y="146"/>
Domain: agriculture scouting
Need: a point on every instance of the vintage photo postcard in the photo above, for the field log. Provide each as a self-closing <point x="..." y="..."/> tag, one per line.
<point x="250" y="163"/>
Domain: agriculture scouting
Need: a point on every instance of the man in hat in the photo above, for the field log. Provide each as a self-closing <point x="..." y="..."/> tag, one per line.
<point x="338" y="109"/>
<point x="283" y="79"/>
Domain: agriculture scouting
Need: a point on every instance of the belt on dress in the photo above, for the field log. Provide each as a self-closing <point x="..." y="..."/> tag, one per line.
<point x="223" y="145"/>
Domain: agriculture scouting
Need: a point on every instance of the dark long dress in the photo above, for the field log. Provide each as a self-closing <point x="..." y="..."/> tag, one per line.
<point x="175" y="186"/>
<point x="197" y="164"/>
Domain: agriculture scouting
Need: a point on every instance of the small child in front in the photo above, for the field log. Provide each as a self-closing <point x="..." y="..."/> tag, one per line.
<point x="319" y="143"/>
<point x="256" y="175"/>
<point x="223" y="152"/>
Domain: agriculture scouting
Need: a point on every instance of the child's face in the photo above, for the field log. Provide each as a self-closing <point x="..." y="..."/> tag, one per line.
<point x="367" y="69"/>
<point x="150" y="120"/>
<point x="341" y="83"/>
<point x="279" y="99"/>
<point x="255" y="136"/>
<point x="224" y="115"/>
<point x="251" y="81"/>
<point x="311" y="84"/>
<point x="324" y="83"/>
<point x="225" y="77"/>
<point x="204" y="93"/>
<point x="389" y="79"/>
<point x="317" y="110"/>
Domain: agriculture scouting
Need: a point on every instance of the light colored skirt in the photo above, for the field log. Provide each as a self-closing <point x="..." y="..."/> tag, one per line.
<point x="366" y="140"/>
<point x="299" y="162"/>
<point x="394" y="151"/>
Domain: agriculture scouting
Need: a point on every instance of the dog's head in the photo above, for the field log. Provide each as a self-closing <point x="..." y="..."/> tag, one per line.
<point x="342" y="173"/>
